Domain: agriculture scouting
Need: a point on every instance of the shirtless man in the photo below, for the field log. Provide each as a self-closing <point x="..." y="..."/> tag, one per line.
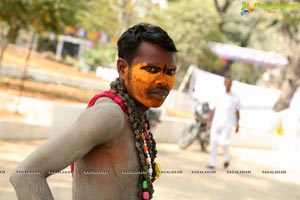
<point x="108" y="137"/>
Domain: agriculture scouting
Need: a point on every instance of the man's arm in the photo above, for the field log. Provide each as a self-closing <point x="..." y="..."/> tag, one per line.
<point x="237" y="128"/>
<point x="210" y="118"/>
<point x="237" y="113"/>
<point x="98" y="124"/>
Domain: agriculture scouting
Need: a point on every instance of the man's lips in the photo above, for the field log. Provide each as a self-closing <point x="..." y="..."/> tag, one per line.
<point x="158" y="93"/>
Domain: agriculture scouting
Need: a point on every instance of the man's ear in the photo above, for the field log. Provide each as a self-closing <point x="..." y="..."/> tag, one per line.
<point x="122" y="66"/>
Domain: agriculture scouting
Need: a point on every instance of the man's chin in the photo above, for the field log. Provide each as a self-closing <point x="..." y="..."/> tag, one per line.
<point x="155" y="104"/>
<point x="151" y="102"/>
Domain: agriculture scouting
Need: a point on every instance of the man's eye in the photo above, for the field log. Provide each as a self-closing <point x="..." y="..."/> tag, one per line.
<point x="170" y="71"/>
<point x="151" y="69"/>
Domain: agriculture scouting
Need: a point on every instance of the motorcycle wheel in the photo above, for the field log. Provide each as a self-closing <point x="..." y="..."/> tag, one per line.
<point x="188" y="136"/>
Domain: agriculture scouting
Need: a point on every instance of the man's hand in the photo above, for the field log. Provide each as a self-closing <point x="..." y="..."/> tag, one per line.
<point x="209" y="120"/>
<point x="237" y="128"/>
<point x="208" y="125"/>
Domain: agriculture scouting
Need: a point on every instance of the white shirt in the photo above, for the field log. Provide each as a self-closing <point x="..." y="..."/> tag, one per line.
<point x="225" y="109"/>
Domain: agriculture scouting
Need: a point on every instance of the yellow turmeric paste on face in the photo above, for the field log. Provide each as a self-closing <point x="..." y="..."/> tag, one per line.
<point x="139" y="81"/>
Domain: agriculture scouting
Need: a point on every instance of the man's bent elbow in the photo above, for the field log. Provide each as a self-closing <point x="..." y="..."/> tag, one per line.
<point x="30" y="186"/>
<point x="12" y="179"/>
<point x="25" y="177"/>
<point x="17" y="179"/>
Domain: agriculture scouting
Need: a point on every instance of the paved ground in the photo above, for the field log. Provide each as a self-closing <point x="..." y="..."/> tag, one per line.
<point x="188" y="185"/>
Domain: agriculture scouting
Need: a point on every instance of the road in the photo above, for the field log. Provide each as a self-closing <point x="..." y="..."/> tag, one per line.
<point x="249" y="176"/>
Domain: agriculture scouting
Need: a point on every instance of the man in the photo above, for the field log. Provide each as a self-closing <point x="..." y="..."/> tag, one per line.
<point x="223" y="118"/>
<point x="111" y="136"/>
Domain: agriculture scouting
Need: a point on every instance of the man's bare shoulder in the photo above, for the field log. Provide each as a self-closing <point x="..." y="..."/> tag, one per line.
<point x="105" y="104"/>
<point x="100" y="123"/>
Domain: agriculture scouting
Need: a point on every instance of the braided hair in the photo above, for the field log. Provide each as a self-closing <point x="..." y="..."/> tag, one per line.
<point x="136" y="119"/>
<point x="128" y="45"/>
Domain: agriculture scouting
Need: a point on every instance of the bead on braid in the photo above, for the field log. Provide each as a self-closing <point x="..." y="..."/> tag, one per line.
<point x="144" y="141"/>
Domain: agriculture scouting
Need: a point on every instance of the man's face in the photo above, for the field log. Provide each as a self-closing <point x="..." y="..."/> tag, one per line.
<point x="151" y="76"/>
<point x="227" y="83"/>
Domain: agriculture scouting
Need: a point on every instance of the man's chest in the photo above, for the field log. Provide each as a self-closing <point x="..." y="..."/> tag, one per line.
<point x="118" y="155"/>
<point x="226" y="103"/>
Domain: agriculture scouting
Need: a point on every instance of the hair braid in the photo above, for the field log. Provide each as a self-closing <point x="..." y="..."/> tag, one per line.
<point x="136" y="119"/>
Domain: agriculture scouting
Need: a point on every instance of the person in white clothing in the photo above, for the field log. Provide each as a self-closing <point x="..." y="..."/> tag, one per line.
<point x="223" y="118"/>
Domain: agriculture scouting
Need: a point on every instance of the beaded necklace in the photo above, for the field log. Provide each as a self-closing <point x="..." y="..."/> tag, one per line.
<point x="148" y="161"/>
<point x="144" y="141"/>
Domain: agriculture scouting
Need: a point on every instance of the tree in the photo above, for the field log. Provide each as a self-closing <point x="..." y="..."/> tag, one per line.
<point x="41" y="16"/>
<point x="194" y="24"/>
<point x="288" y="24"/>
<point x="47" y="15"/>
<point x="240" y="30"/>
<point x="111" y="17"/>
<point x="108" y="18"/>
<point x="52" y="16"/>
<point x="13" y="15"/>
<point x="191" y="24"/>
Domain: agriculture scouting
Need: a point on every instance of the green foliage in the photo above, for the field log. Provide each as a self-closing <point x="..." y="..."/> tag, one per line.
<point x="42" y="15"/>
<point x="103" y="55"/>
<point x="111" y="17"/>
<point x="13" y="14"/>
<point x="191" y="24"/>
<point x="244" y="72"/>
<point x="44" y="44"/>
<point x="49" y="15"/>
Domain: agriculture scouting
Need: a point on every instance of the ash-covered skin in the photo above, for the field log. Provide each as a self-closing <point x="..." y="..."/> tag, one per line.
<point x="104" y="138"/>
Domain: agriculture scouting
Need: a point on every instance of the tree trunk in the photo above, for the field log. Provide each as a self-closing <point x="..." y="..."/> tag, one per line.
<point x="226" y="69"/>
<point x="3" y="48"/>
<point x="13" y="34"/>
<point x="10" y="37"/>
<point x="244" y="42"/>
<point x="24" y="76"/>
<point x="4" y="45"/>
<point x="290" y="84"/>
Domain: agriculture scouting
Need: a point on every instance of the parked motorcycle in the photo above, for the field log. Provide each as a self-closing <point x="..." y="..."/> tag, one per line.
<point x="198" y="130"/>
<point x="153" y="116"/>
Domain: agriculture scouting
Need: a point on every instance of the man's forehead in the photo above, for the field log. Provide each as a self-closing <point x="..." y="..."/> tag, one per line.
<point x="145" y="64"/>
<point x="146" y="47"/>
<point x="154" y="55"/>
<point x="156" y="62"/>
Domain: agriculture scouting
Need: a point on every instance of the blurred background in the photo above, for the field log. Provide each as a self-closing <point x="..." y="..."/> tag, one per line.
<point x="56" y="54"/>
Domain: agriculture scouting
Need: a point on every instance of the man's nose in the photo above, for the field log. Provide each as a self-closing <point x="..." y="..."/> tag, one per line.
<point x="161" y="79"/>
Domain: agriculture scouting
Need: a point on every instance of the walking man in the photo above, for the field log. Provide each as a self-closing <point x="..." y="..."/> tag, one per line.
<point x="223" y="118"/>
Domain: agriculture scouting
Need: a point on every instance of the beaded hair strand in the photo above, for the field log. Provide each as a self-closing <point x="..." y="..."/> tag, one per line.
<point x="136" y="119"/>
